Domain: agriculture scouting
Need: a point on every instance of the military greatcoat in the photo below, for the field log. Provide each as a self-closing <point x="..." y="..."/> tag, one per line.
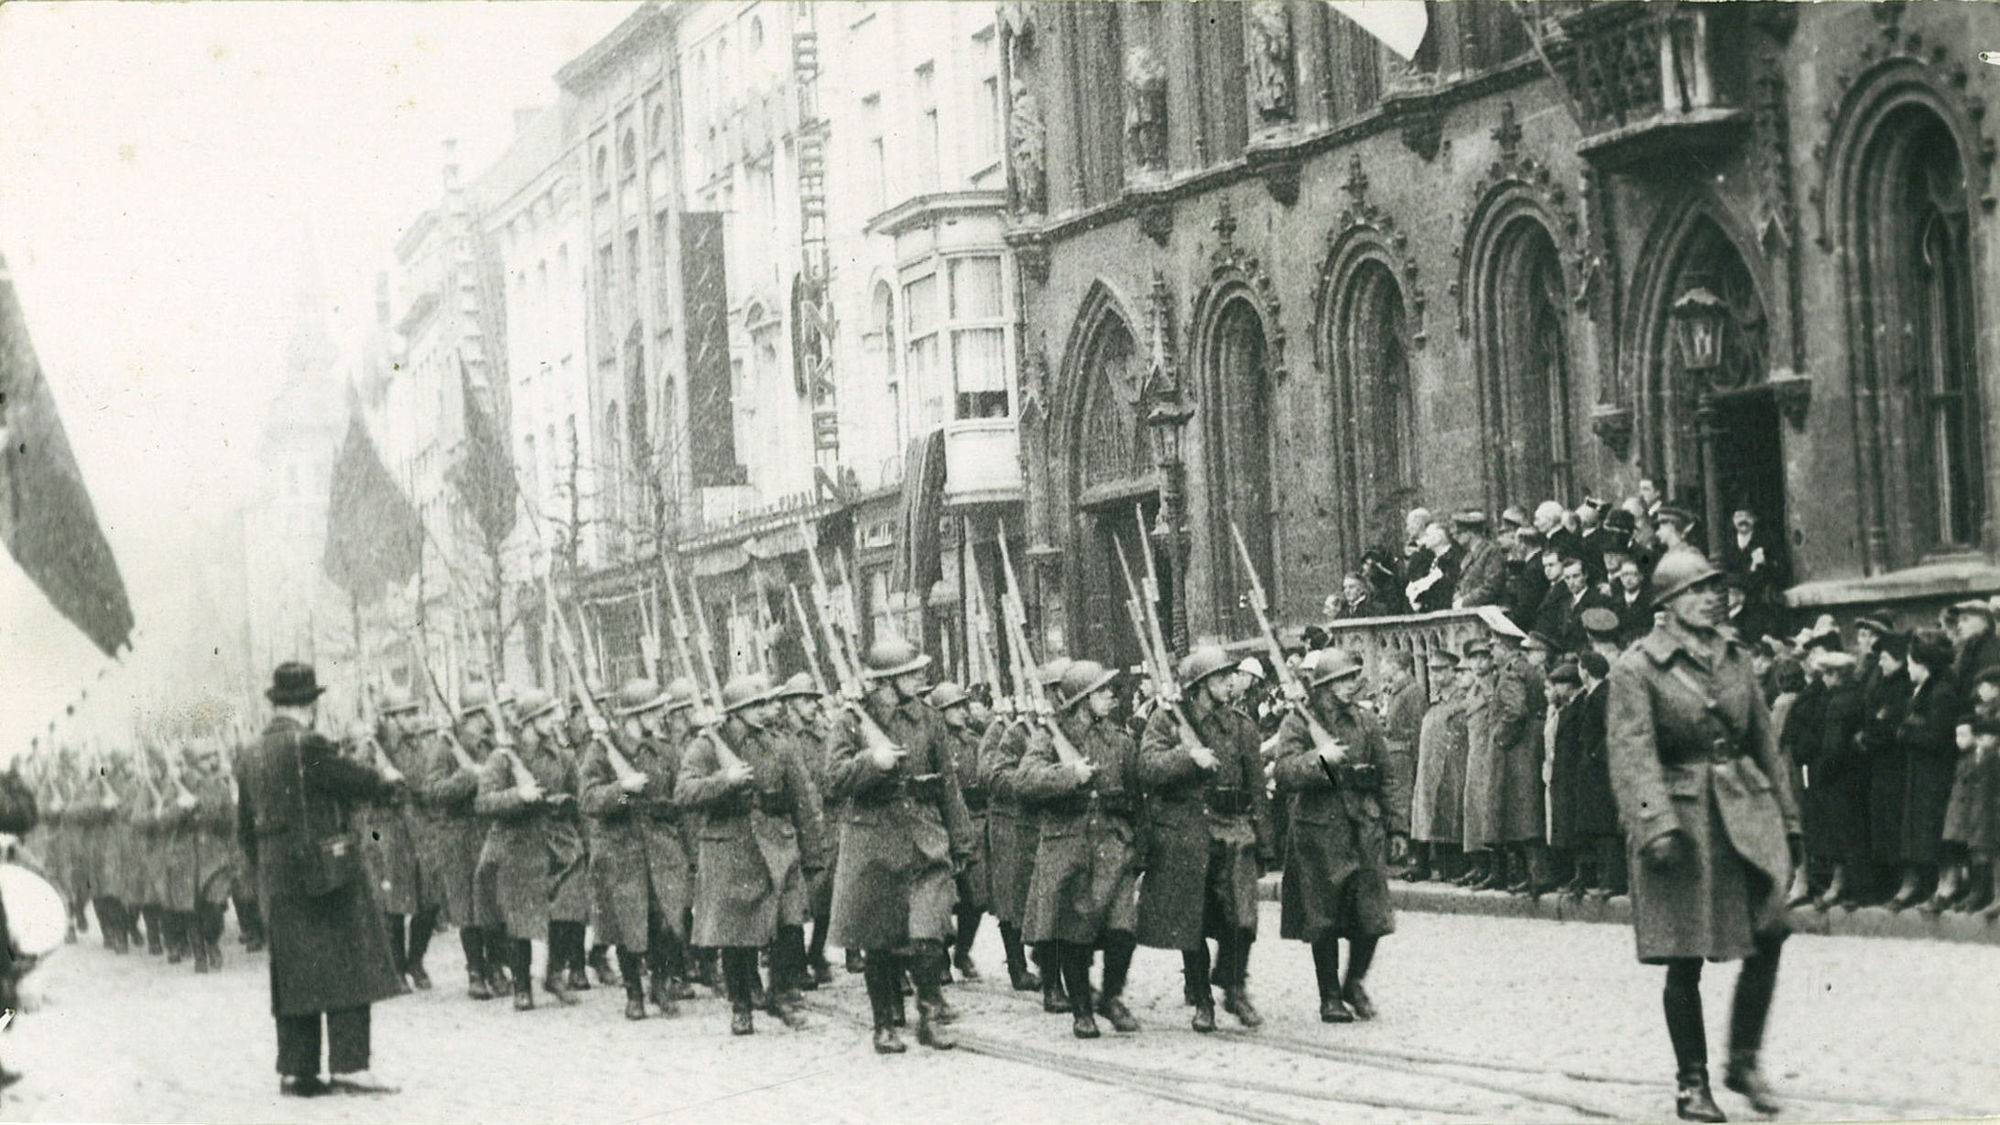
<point x="1520" y="705"/>
<point x="1090" y="849"/>
<point x="755" y="838"/>
<point x="975" y="881"/>
<point x="447" y="828"/>
<point x="1692" y="749"/>
<point x="201" y="877"/>
<point x="1336" y="882"/>
<point x="904" y="831"/>
<point x="1484" y="771"/>
<point x="1209" y="831"/>
<point x="639" y="854"/>
<point x="389" y="850"/>
<point x="1437" y="803"/>
<point x="531" y="867"/>
<point x="328" y="952"/>
<point x="1012" y="825"/>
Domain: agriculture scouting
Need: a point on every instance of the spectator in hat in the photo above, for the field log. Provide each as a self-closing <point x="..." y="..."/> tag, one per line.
<point x="1482" y="576"/>
<point x="1885" y="701"/>
<point x="1924" y="741"/>
<point x="1595" y="840"/>
<point x="1757" y="555"/>
<point x="1749" y="617"/>
<point x="1527" y="585"/>
<point x="1631" y="600"/>
<point x="1673" y="530"/>
<point x="1602" y="632"/>
<point x="1838" y="790"/>
<point x="1436" y="587"/>
<point x="1978" y="647"/>
<point x="1437" y="799"/>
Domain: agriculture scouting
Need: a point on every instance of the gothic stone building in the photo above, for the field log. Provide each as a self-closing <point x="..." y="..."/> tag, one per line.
<point x="1271" y="271"/>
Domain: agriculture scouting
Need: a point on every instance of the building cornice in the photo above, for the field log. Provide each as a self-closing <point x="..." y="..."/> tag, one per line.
<point x="927" y="208"/>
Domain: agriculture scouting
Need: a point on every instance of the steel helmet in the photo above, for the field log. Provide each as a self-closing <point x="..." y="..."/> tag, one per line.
<point x="601" y="692"/>
<point x="1680" y="571"/>
<point x="681" y="695"/>
<point x="474" y="699"/>
<point x="399" y="702"/>
<point x="1330" y="664"/>
<point x="1083" y="678"/>
<point x="746" y="690"/>
<point x="892" y="656"/>
<point x="1051" y="673"/>
<point x="947" y="694"/>
<point x="1202" y="663"/>
<point x="800" y="686"/>
<point x="534" y="703"/>
<point x="638" y="696"/>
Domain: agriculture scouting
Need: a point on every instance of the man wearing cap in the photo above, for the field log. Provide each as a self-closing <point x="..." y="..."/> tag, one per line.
<point x="904" y="834"/>
<point x="1401" y="704"/>
<point x="531" y="876"/>
<point x="1699" y="781"/>
<point x="639" y="860"/>
<point x="1437" y="795"/>
<point x="800" y="723"/>
<point x="1973" y="635"/>
<point x="954" y="706"/>
<point x="1520" y="707"/>
<point x="446" y="790"/>
<point x="329" y="954"/>
<point x="1347" y="827"/>
<point x="1013" y="828"/>
<point x="1086" y="882"/>
<point x="1482" y="574"/>
<point x="1209" y="837"/>
<point x="761" y="827"/>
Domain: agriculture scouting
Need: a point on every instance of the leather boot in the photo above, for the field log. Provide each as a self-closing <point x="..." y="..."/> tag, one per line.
<point x="635" y="998"/>
<point x="1236" y="1002"/>
<point x="741" y="1019"/>
<point x="1744" y="1076"/>
<point x="1121" y="1017"/>
<point x="579" y="981"/>
<point x="1054" y="1000"/>
<point x="477" y="987"/>
<point x="600" y="963"/>
<point x="851" y="961"/>
<point x="1334" y="1010"/>
<point x="1356" y="999"/>
<point x="931" y="1031"/>
<point x="1083" y="1020"/>
<point x="554" y="984"/>
<point x="1692" y="1099"/>
<point x="1204" y="1017"/>
<point x="524" y="995"/>
<point x="1023" y="979"/>
<point x="663" y="995"/>
<point x="967" y="971"/>
<point x="887" y="1040"/>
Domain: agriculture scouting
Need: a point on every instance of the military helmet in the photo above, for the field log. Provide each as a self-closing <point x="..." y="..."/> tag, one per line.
<point x="746" y="690"/>
<point x="534" y="703"/>
<point x="474" y="699"/>
<point x="800" y="686"/>
<point x="601" y="692"/>
<point x="681" y="695"/>
<point x="1680" y="571"/>
<point x="638" y="696"/>
<point x="1051" y="673"/>
<point x="891" y="656"/>
<point x="947" y="694"/>
<point x="400" y="702"/>
<point x="1083" y="678"/>
<point x="1330" y="664"/>
<point x="1202" y="663"/>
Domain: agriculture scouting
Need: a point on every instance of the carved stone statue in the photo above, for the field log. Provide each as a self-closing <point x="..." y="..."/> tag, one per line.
<point x="1028" y="141"/>
<point x="1145" y="109"/>
<point x="1272" y="82"/>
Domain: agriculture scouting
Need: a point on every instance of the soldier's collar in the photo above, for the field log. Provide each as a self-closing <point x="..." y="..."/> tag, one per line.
<point x="1668" y="638"/>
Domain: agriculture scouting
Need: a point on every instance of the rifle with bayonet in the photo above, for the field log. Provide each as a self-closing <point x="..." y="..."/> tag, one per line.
<point x="1329" y="747"/>
<point x="630" y="777"/>
<point x="846" y="662"/>
<point x="701" y="644"/>
<point x="979" y="625"/>
<point x="1014" y="615"/>
<point x="1166" y="685"/>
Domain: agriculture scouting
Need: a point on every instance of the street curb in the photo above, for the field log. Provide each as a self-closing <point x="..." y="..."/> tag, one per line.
<point x="1867" y="922"/>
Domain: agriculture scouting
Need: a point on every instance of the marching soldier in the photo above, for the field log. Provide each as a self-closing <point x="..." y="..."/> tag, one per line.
<point x="173" y="856"/>
<point x="421" y="890"/>
<point x="577" y="733"/>
<point x="387" y="852"/>
<point x="1085" y="893"/>
<point x="801" y="720"/>
<point x="210" y="823"/>
<point x="1347" y="827"/>
<point x="905" y="831"/>
<point x="1209" y="836"/>
<point x="150" y="861"/>
<point x="760" y="833"/>
<point x="954" y="707"/>
<point x="1013" y="831"/>
<point x="447" y="788"/>
<point x="639" y="858"/>
<point x="1701" y="791"/>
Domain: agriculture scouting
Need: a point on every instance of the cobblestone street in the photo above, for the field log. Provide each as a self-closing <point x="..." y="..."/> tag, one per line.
<point x="1483" y="1018"/>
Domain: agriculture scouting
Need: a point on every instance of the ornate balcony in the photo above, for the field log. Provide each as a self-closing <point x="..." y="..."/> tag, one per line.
<point x="982" y="459"/>
<point x="1654" y="83"/>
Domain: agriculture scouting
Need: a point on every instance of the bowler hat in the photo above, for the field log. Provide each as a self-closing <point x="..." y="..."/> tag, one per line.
<point x="294" y="684"/>
<point x="1473" y="519"/>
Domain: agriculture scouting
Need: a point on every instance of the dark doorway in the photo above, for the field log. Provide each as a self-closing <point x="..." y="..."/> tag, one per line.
<point x="1750" y="457"/>
<point x="1106" y="634"/>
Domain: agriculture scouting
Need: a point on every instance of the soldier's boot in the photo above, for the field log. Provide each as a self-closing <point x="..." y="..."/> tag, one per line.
<point x="1326" y="972"/>
<point x="1118" y="950"/>
<point x="523" y="975"/>
<point x="1744" y="1076"/>
<point x="422" y="925"/>
<point x="820" y="972"/>
<point x="1748" y="1011"/>
<point x="1048" y="958"/>
<point x="737" y="982"/>
<point x="961" y="955"/>
<point x="851" y="961"/>
<point x="608" y="975"/>
<point x="1076" y="974"/>
<point x="1022" y="978"/>
<point x="927" y="967"/>
<point x="633" y="977"/>
<point x="882" y="1001"/>
<point x="1692" y="1099"/>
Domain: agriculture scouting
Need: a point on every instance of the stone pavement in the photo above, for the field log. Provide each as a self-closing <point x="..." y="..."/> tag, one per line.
<point x="1483" y="1018"/>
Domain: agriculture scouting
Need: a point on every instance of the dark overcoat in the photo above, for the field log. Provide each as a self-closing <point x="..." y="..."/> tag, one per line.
<point x="1088" y="851"/>
<point x="1594" y="807"/>
<point x="808" y="743"/>
<point x="1925" y="739"/>
<point x="388" y="847"/>
<point x="1520" y="706"/>
<point x="410" y="755"/>
<point x="1208" y="831"/>
<point x="1437" y="798"/>
<point x="532" y="866"/>
<point x="1837" y="785"/>
<point x="1013" y="827"/>
<point x="201" y="876"/>
<point x="975" y="880"/>
<point x="903" y="832"/>
<point x="1336" y="854"/>
<point x="640" y="858"/>
<point x="1692" y="750"/>
<point x="1969" y="818"/>
<point x="754" y="839"/>
<point x="328" y="952"/>
<point x="1402" y="726"/>
<point x="1484" y="769"/>
<point x="1885" y="702"/>
<point x="448" y="830"/>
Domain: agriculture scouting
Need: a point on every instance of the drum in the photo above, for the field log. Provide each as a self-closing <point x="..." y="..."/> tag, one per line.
<point x="37" y="918"/>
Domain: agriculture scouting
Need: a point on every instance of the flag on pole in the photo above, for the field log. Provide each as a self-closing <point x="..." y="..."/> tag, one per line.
<point x="373" y="536"/>
<point x="485" y="473"/>
<point x="46" y="518"/>
<point x="1399" y="24"/>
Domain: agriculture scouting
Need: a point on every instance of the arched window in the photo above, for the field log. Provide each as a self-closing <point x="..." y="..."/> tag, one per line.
<point x="1914" y="265"/>
<point x="1237" y="364"/>
<point x="1524" y="347"/>
<point x="628" y="155"/>
<point x="1374" y="424"/>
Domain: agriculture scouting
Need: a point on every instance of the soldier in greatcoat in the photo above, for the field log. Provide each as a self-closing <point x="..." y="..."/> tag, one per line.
<point x="804" y="723"/>
<point x="1346" y="829"/>
<point x="1487" y="869"/>
<point x="1709" y="821"/>
<point x="531" y="878"/>
<point x="211" y="824"/>
<point x="1437" y="799"/>
<point x="1209" y="835"/>
<point x="329" y="954"/>
<point x="148" y="817"/>
<point x="903" y="836"/>
<point x="760" y="831"/>
<point x="1085" y="894"/>
<point x="577" y="736"/>
<point x="639" y="863"/>
<point x="174" y="848"/>
<point x="420" y="889"/>
<point x="387" y="851"/>
<point x="1520" y="709"/>
<point x="446" y="789"/>
<point x="1012" y="832"/>
<point x="954" y="707"/>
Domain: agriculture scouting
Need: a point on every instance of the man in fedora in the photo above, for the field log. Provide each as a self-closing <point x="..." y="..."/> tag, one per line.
<point x="329" y="953"/>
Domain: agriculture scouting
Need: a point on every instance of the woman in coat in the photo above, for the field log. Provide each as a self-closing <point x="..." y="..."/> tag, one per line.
<point x="1345" y="804"/>
<point x="531" y="878"/>
<point x="1085" y="895"/>
<point x="760" y="828"/>
<point x="1437" y="800"/>
<point x="1926" y="742"/>
<point x="1885" y="700"/>
<point x="1837" y="782"/>
<point x="1708" y="820"/>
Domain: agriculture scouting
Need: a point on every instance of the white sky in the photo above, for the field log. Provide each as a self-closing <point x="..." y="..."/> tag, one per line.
<point x="159" y="165"/>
